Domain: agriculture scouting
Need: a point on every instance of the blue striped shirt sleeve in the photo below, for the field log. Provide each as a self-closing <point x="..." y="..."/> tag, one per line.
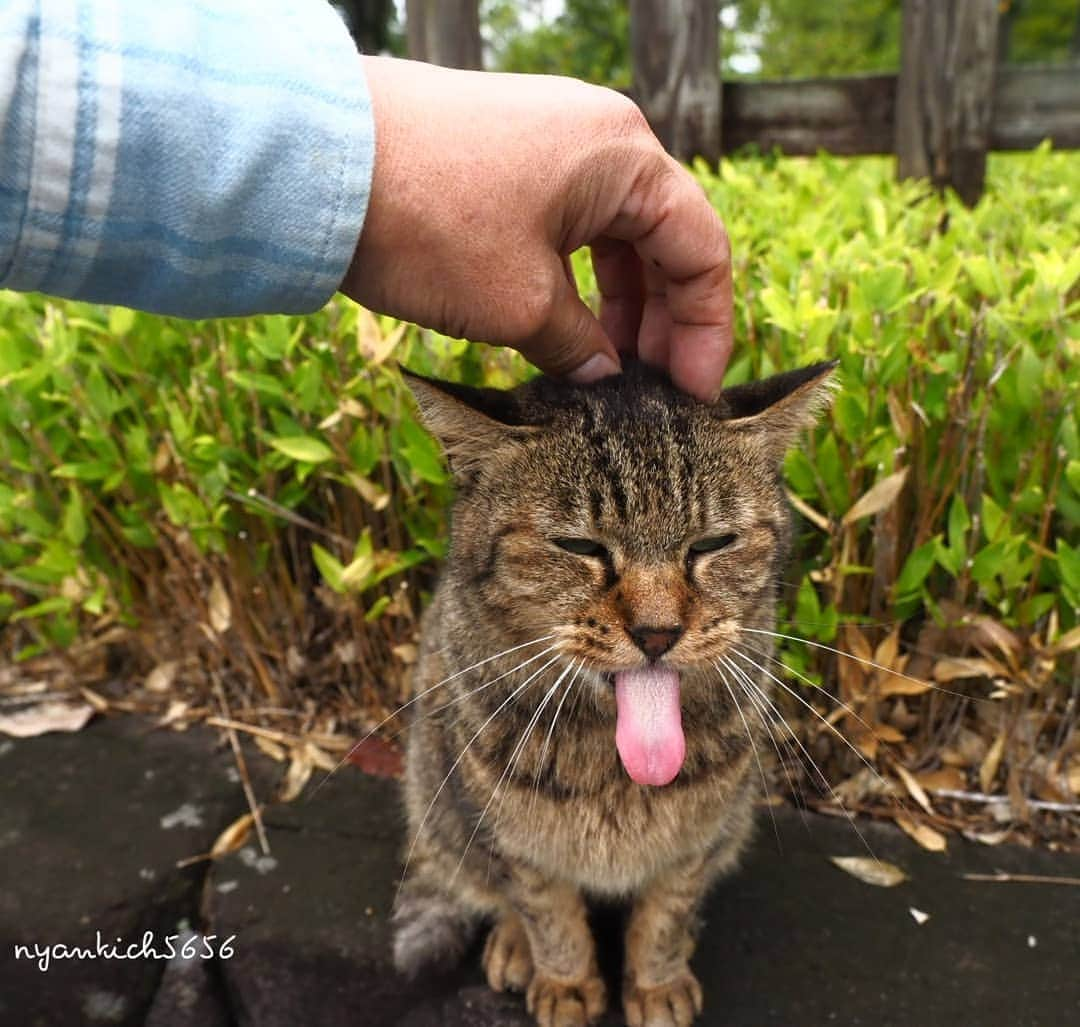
<point x="201" y="158"/>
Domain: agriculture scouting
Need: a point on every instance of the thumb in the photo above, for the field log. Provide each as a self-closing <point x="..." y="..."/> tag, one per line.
<point x="571" y="344"/>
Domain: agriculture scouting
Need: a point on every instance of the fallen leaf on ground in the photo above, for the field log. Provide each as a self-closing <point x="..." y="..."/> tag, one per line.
<point x="161" y="678"/>
<point x="298" y="774"/>
<point x="952" y="668"/>
<point x="915" y="789"/>
<point x="871" y="871"/>
<point x="220" y="607"/>
<point x="46" y="717"/>
<point x="924" y="834"/>
<point x="377" y="757"/>
<point x="234" y="837"/>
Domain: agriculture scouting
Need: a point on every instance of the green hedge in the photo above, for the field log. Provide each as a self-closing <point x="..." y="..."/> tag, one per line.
<point x="146" y="459"/>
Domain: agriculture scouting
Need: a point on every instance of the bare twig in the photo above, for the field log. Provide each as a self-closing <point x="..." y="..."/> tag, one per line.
<point x="996" y="800"/>
<point x="1004" y="878"/>
<point x="241" y="766"/>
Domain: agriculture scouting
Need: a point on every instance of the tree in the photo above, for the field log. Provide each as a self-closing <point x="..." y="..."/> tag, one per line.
<point x="444" y="32"/>
<point x="676" y="53"/>
<point x="797" y="39"/>
<point x="590" y="39"/>
<point x="372" y="24"/>
<point x="945" y="92"/>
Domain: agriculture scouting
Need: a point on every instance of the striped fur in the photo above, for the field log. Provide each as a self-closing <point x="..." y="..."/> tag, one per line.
<point x="518" y="805"/>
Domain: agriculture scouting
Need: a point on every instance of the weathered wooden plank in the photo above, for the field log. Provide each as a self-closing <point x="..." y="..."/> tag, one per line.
<point x="945" y="92"/>
<point x="1033" y="104"/>
<point x="802" y="116"/>
<point x="852" y="116"/>
<point x="676" y="55"/>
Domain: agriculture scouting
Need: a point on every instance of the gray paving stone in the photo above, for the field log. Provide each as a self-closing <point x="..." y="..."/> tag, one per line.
<point x="788" y="940"/>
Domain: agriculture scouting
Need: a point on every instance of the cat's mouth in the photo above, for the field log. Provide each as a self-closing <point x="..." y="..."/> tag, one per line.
<point x="648" y="728"/>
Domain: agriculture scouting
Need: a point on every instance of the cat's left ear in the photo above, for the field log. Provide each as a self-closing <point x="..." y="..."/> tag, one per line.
<point x="471" y="424"/>
<point x="776" y="409"/>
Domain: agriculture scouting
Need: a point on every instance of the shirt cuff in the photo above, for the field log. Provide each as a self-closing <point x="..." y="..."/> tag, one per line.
<point x="187" y="158"/>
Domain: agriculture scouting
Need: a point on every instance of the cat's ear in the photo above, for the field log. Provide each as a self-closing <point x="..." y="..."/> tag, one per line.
<point x="471" y="424"/>
<point x="776" y="409"/>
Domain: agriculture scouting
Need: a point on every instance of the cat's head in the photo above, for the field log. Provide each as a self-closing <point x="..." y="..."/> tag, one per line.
<point x="642" y="528"/>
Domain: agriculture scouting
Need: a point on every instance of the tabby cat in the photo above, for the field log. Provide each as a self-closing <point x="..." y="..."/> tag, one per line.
<point x="614" y="549"/>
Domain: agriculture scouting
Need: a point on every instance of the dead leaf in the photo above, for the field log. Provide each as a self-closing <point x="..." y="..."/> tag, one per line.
<point x="887" y="650"/>
<point x="878" y="497"/>
<point x="175" y="712"/>
<point x="887" y="733"/>
<point x="161" y="678"/>
<point x="946" y="777"/>
<point x="988" y="837"/>
<point x="989" y="768"/>
<point x="999" y="636"/>
<point x="99" y="702"/>
<point x="371" y="344"/>
<point x="871" y="871"/>
<point x="220" y="607"/>
<point x="1070" y="640"/>
<point x="270" y="748"/>
<point x="891" y="683"/>
<point x="918" y="915"/>
<point x="46" y="717"/>
<point x="1072" y="775"/>
<point x="406" y="652"/>
<point x="298" y="774"/>
<point x="369" y="491"/>
<point x="914" y="788"/>
<point x="234" y="837"/>
<point x="924" y="834"/>
<point x="952" y="667"/>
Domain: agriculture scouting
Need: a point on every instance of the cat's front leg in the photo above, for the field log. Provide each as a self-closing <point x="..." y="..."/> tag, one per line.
<point x="566" y="989"/>
<point x="659" y="989"/>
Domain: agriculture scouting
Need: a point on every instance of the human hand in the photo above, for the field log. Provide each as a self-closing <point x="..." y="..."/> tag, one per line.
<point x="484" y="185"/>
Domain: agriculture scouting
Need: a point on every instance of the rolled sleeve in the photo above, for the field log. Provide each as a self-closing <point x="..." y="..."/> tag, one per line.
<point x="184" y="158"/>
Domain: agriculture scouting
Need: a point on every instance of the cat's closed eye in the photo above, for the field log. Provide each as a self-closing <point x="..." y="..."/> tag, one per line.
<point x="712" y="544"/>
<point x="581" y="546"/>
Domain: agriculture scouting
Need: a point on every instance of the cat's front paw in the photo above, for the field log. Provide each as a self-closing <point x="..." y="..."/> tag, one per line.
<point x="507" y="956"/>
<point x="674" y="1003"/>
<point x="566" y="1004"/>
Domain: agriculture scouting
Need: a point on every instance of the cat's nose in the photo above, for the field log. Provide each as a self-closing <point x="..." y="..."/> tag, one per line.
<point x="654" y="642"/>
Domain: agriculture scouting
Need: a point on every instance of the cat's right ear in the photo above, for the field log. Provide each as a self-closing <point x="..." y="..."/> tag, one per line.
<point x="472" y="425"/>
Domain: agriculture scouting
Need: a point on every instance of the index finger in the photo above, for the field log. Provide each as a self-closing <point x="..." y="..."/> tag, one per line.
<point x="682" y="242"/>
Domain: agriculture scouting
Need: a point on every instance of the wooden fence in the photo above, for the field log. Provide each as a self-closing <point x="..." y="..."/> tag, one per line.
<point x="858" y="115"/>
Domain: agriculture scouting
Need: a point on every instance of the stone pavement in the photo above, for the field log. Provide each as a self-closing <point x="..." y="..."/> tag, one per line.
<point x="92" y="826"/>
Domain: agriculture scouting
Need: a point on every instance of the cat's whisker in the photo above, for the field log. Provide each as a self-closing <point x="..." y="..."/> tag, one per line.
<point x="511" y="764"/>
<point x="761" y="653"/>
<point x="828" y="789"/>
<point x="550" y="732"/>
<point x="461" y="755"/>
<point x="487" y="684"/>
<point x="427" y="691"/>
<point x="754" y="749"/>
<point x="810" y="706"/>
<point x="767" y="723"/>
<point x="865" y="662"/>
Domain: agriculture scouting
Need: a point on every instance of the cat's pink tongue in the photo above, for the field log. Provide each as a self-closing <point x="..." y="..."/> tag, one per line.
<point x="648" y="731"/>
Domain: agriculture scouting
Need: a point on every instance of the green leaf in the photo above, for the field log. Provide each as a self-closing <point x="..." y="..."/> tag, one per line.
<point x="74" y="518"/>
<point x="304" y="448"/>
<point x="121" y="320"/>
<point x="422" y="453"/>
<point x="330" y="567"/>
<point x="916" y="569"/>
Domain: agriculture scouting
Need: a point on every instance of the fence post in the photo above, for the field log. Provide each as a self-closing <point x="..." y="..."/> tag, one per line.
<point x="444" y="32"/>
<point x="945" y="92"/>
<point x="675" y="48"/>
